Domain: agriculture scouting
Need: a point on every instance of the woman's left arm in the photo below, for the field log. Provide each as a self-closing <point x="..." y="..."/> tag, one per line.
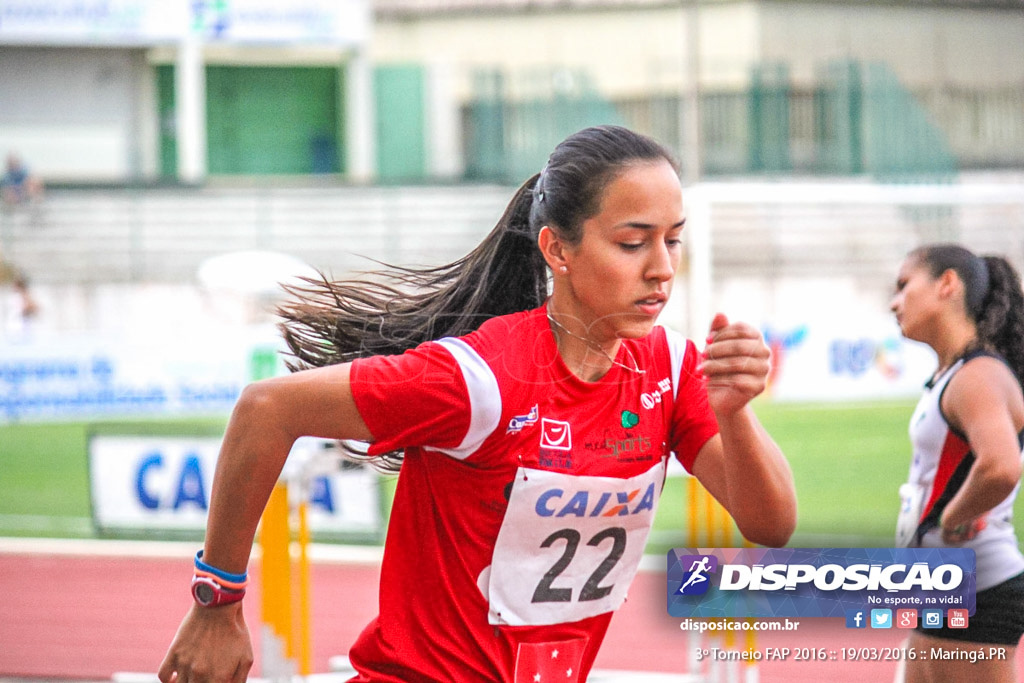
<point x="983" y="401"/>
<point x="742" y="467"/>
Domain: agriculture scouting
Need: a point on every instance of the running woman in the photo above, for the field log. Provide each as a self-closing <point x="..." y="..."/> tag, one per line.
<point x="532" y="428"/>
<point x="967" y="435"/>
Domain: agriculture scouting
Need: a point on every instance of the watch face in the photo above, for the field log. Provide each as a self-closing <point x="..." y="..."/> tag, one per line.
<point x="204" y="593"/>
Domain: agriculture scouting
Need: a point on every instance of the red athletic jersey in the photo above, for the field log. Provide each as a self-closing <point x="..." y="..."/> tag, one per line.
<point x="525" y="497"/>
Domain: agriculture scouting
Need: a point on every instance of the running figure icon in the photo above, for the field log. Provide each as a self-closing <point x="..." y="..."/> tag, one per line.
<point x="697" y="573"/>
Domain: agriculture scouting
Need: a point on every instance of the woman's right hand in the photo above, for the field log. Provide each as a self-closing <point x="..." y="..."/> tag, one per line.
<point x="962" y="533"/>
<point x="212" y="645"/>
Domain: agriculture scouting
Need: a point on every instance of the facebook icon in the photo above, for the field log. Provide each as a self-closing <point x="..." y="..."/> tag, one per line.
<point x="856" y="618"/>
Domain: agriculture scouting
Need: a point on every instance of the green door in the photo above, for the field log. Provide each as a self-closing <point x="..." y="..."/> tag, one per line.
<point x="167" y="123"/>
<point x="272" y="120"/>
<point x="401" y="127"/>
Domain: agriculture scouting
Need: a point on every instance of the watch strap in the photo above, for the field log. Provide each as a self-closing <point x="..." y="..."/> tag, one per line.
<point x="207" y="592"/>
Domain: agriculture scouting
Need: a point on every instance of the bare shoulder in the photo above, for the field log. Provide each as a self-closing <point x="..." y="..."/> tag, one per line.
<point x="985" y="374"/>
<point x="985" y="384"/>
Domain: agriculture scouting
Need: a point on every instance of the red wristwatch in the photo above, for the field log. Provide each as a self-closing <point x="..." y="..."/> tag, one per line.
<point x="208" y="593"/>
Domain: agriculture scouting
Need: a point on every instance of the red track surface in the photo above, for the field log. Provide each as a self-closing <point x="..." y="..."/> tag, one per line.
<point x="71" y="616"/>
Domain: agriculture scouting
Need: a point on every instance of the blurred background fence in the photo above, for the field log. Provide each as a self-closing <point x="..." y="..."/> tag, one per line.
<point x="856" y="119"/>
<point x="163" y="235"/>
<point x="766" y="240"/>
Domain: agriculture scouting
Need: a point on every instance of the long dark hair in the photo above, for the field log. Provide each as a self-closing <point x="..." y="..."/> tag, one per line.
<point x="992" y="294"/>
<point x="394" y="309"/>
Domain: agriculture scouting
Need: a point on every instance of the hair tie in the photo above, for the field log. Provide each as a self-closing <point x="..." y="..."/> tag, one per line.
<point x="984" y="284"/>
<point x="539" y="188"/>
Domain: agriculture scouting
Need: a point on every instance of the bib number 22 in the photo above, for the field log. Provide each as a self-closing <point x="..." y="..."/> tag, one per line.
<point x="592" y="589"/>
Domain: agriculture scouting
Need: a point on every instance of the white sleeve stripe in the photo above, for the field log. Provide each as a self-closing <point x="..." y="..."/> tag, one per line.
<point x="677" y="352"/>
<point x="484" y="397"/>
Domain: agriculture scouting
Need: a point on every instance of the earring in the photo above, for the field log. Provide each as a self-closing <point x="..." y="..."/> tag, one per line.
<point x="564" y="269"/>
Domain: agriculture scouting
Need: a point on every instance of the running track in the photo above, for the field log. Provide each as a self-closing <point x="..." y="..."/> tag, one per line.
<point x="87" y="610"/>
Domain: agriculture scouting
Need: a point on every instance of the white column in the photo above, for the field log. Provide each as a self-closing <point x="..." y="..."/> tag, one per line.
<point x="360" y="132"/>
<point x="689" y="133"/>
<point x="443" y="129"/>
<point x="190" y="110"/>
<point x="698" y="233"/>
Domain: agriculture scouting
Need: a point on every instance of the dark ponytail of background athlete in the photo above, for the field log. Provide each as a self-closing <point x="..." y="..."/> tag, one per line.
<point x="993" y="298"/>
<point x="397" y="308"/>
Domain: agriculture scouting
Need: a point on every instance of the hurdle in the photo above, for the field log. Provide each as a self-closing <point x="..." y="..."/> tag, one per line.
<point x="284" y="538"/>
<point x="285" y="632"/>
<point x="709" y="525"/>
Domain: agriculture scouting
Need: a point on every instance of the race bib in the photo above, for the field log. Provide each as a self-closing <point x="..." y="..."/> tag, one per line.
<point x="911" y="506"/>
<point x="569" y="546"/>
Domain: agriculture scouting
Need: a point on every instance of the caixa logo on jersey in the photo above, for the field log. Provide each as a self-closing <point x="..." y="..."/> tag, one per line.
<point x="822" y="582"/>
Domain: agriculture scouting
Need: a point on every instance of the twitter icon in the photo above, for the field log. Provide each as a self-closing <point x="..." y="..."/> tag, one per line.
<point x="881" y="618"/>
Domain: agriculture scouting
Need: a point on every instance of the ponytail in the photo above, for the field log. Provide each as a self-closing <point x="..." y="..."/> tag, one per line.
<point x="1001" y="320"/>
<point x="398" y="308"/>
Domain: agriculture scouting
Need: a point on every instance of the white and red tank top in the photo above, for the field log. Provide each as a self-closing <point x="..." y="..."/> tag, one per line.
<point x="942" y="458"/>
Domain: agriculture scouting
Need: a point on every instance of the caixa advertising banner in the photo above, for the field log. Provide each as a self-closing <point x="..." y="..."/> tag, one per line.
<point x="141" y="484"/>
<point x="818" y="582"/>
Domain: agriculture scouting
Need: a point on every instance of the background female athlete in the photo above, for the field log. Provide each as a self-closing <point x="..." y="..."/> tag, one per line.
<point x="967" y="433"/>
<point x="531" y="426"/>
